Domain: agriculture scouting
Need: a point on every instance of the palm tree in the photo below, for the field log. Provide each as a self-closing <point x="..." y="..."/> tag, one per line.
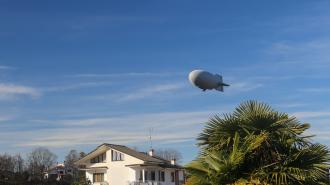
<point x="256" y="144"/>
<point x="221" y="167"/>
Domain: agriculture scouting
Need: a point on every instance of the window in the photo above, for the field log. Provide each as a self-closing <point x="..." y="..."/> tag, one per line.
<point x="153" y="175"/>
<point x="161" y="176"/>
<point x="172" y="176"/>
<point x="99" y="159"/>
<point x="116" y="156"/>
<point x="146" y="175"/>
<point x="98" y="177"/>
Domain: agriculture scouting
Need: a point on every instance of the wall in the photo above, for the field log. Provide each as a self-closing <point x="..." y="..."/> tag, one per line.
<point x="118" y="174"/>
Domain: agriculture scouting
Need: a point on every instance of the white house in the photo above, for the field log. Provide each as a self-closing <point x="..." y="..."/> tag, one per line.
<point x="119" y="165"/>
<point x="57" y="172"/>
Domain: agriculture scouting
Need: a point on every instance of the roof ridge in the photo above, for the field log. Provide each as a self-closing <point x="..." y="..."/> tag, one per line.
<point x="114" y="145"/>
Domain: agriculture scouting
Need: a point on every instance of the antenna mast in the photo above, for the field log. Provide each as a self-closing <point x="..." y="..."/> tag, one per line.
<point x="150" y="137"/>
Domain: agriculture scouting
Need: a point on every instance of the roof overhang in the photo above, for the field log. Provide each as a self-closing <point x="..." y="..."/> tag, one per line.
<point x="140" y="165"/>
<point x="99" y="150"/>
<point x="155" y="165"/>
<point x="94" y="168"/>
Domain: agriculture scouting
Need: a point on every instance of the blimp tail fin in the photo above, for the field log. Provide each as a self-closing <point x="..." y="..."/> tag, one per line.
<point x="221" y="84"/>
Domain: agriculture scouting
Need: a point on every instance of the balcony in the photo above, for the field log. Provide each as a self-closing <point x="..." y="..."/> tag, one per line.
<point x="146" y="183"/>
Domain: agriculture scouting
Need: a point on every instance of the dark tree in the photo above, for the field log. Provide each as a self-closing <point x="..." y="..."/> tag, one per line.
<point x="12" y="170"/>
<point x="70" y="159"/>
<point x="81" y="155"/>
<point x="7" y="163"/>
<point x="39" y="160"/>
<point x="18" y="163"/>
<point x="169" y="154"/>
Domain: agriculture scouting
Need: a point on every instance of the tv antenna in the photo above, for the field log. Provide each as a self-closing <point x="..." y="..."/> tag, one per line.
<point x="150" y="137"/>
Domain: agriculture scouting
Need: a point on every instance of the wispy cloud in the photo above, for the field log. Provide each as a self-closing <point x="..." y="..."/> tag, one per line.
<point x="11" y="91"/>
<point x="146" y="120"/>
<point x="150" y="91"/>
<point x="291" y="60"/>
<point x="2" y="67"/>
<point x="312" y="53"/>
<point x="320" y="135"/>
<point x="311" y="114"/>
<point x="317" y="90"/>
<point x="75" y="86"/>
<point x="102" y="21"/>
<point x="4" y="118"/>
<point x="290" y="105"/>
<point x="65" y="138"/>
<point x="304" y="46"/>
<point x="238" y="87"/>
<point x="169" y="127"/>
<point x="129" y="74"/>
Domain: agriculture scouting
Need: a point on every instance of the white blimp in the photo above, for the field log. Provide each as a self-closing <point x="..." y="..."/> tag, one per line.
<point x="206" y="80"/>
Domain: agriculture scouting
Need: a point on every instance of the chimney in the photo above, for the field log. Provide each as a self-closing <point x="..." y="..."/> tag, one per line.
<point x="151" y="152"/>
<point x="173" y="161"/>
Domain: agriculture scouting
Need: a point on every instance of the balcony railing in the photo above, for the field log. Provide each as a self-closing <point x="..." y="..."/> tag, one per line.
<point x="146" y="183"/>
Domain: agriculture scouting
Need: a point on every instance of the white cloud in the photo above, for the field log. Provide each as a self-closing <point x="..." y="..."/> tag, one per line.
<point x="11" y="91"/>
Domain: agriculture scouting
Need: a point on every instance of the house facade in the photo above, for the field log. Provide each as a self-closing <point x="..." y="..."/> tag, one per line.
<point x="57" y="172"/>
<point x="119" y="165"/>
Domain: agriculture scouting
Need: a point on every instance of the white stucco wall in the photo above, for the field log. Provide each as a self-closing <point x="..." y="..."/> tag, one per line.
<point x="119" y="174"/>
<point x="89" y="176"/>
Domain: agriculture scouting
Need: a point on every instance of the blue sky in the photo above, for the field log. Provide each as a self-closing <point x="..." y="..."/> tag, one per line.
<point x="75" y="74"/>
